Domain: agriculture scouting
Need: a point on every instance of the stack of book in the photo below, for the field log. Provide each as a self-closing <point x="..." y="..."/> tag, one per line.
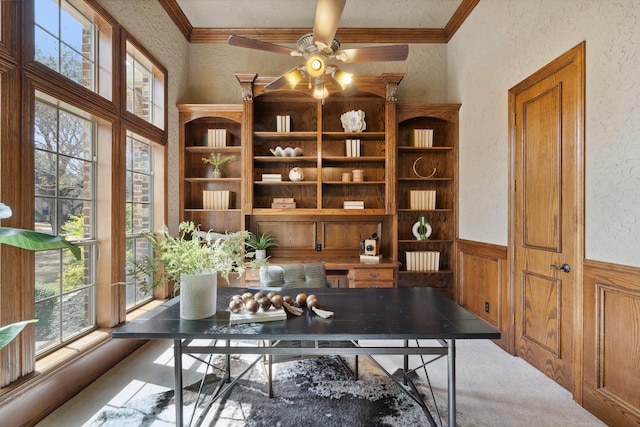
<point x="352" y="147"/>
<point x="353" y="204"/>
<point x="423" y="138"/>
<point x="371" y="258"/>
<point x="217" y="199"/>
<point x="422" y="199"/>
<point x="272" y="177"/>
<point x="423" y="261"/>
<point x="217" y="137"/>
<point x="283" y="203"/>
<point x="283" y="123"/>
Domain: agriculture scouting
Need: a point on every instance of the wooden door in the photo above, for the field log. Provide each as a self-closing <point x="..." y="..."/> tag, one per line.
<point x="548" y="233"/>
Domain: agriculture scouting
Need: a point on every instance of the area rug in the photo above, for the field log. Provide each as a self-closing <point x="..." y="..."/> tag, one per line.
<point x="309" y="392"/>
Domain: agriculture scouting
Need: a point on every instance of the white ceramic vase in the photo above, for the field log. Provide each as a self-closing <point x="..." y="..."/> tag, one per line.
<point x="198" y="295"/>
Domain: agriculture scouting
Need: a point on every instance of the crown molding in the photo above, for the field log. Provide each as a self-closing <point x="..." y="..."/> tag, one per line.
<point x="345" y="35"/>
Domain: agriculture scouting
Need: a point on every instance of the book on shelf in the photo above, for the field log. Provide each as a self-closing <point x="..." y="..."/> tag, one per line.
<point x="423" y="138"/>
<point x="290" y="205"/>
<point x="422" y="199"/>
<point x="283" y="123"/>
<point x="423" y="260"/>
<point x="275" y="177"/>
<point x="216" y="137"/>
<point x="353" y="204"/>
<point x="283" y="203"/>
<point x="371" y="258"/>
<point x="352" y="147"/>
<point x="216" y="199"/>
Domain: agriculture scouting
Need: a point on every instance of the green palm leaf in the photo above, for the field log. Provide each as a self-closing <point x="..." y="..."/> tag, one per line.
<point x="32" y="240"/>
<point x="9" y="332"/>
<point x="35" y="241"/>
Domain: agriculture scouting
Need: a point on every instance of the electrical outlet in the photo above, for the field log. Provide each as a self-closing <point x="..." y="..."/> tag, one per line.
<point x="318" y="247"/>
<point x="486" y="306"/>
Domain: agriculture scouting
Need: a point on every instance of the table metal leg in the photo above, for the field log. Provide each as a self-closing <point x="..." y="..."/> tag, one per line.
<point x="451" y="361"/>
<point x="406" y="363"/>
<point x="177" y="387"/>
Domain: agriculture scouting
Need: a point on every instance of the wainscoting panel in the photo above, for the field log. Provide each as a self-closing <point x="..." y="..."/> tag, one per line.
<point x="483" y="286"/>
<point x="611" y="369"/>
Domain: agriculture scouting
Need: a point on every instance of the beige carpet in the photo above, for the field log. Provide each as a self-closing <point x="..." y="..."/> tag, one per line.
<point x="494" y="388"/>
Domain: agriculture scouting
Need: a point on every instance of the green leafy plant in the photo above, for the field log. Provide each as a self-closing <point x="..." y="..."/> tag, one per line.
<point x="33" y="241"/>
<point x="9" y="332"/>
<point x="216" y="159"/>
<point x="263" y="241"/>
<point x="192" y="252"/>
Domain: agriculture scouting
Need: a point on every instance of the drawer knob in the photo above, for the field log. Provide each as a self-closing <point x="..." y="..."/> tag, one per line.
<point x="373" y="275"/>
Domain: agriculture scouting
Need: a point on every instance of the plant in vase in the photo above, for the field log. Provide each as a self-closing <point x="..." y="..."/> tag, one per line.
<point x="261" y="243"/>
<point x="193" y="260"/>
<point x="32" y="241"/>
<point x="216" y="160"/>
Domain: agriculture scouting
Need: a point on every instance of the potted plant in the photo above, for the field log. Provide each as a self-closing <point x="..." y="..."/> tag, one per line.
<point x="193" y="260"/>
<point x="33" y="241"/>
<point x="216" y="160"/>
<point x="261" y="243"/>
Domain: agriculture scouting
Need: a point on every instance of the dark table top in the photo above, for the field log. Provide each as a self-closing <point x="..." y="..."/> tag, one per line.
<point x="360" y="314"/>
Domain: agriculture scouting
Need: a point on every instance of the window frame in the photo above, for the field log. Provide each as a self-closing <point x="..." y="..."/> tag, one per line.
<point x="21" y="80"/>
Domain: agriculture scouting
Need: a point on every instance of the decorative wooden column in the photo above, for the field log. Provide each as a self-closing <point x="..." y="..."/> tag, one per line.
<point x="246" y="85"/>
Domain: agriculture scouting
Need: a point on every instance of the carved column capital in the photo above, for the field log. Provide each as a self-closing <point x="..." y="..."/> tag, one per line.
<point x="246" y="85"/>
<point x="247" y="91"/>
<point x="392" y="91"/>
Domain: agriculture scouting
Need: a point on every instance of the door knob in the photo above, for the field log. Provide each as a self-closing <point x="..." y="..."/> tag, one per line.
<point x="564" y="267"/>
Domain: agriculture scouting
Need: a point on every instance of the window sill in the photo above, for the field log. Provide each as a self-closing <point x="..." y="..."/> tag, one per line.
<point x="49" y="364"/>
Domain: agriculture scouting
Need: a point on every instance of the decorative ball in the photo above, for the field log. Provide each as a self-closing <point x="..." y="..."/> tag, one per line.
<point x="236" y="305"/>
<point x="312" y="301"/>
<point x="288" y="299"/>
<point x="265" y="303"/>
<point x="277" y="301"/>
<point x="259" y="295"/>
<point x="252" y="305"/>
<point x="247" y="296"/>
<point x="301" y="299"/>
<point x="296" y="174"/>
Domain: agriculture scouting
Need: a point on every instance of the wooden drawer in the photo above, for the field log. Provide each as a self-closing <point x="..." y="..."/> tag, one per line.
<point x="372" y="284"/>
<point x="378" y="274"/>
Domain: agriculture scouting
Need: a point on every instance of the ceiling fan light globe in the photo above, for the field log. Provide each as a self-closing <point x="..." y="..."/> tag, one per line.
<point x="315" y="66"/>
<point x="294" y="77"/>
<point x="320" y="91"/>
<point x="342" y="78"/>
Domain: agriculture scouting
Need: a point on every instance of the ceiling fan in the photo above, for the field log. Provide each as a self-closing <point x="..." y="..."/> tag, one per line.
<point x="319" y="49"/>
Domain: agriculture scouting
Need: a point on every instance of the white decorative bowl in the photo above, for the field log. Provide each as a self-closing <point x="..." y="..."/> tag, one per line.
<point x="286" y="152"/>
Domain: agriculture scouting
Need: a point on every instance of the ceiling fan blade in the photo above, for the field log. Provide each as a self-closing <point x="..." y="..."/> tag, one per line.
<point x="277" y="83"/>
<point x="397" y="52"/>
<point x="328" y="13"/>
<point x="239" y="41"/>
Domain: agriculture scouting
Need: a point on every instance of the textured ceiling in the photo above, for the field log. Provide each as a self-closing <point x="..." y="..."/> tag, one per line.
<point x="300" y="13"/>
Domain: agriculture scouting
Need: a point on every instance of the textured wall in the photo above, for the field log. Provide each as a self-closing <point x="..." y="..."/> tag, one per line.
<point x="212" y="69"/>
<point x="150" y="25"/>
<point x="503" y="42"/>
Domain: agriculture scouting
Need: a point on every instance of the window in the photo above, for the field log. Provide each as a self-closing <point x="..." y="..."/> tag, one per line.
<point x="145" y="87"/>
<point x="65" y="146"/>
<point x="65" y="41"/>
<point x="139" y="211"/>
<point x="73" y="40"/>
